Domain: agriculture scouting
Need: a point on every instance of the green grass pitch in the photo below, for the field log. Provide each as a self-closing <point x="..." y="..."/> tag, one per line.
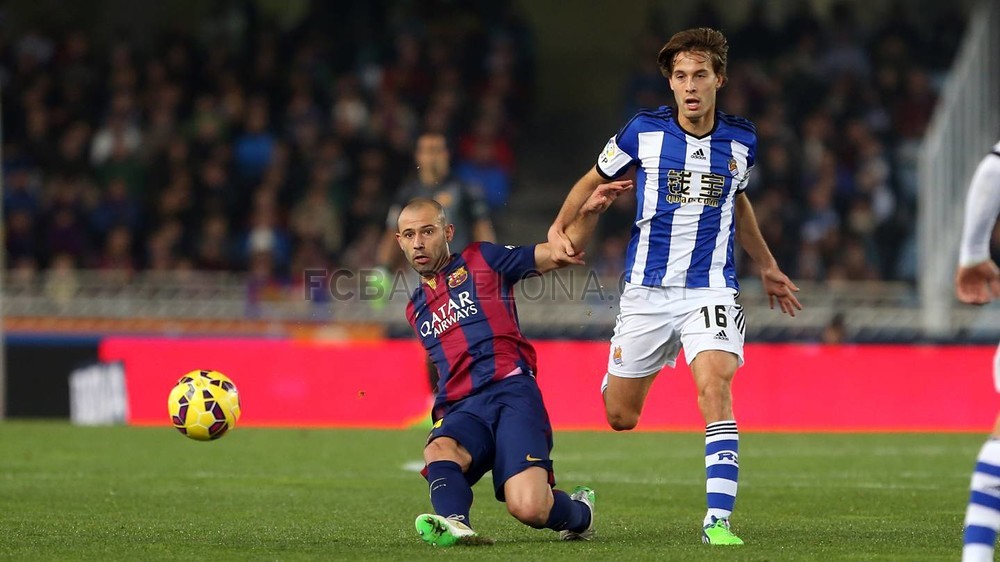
<point x="119" y="493"/>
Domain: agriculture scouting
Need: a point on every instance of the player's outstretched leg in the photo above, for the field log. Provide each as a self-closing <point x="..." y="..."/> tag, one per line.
<point x="982" y="516"/>
<point x="587" y="497"/>
<point x="722" y="473"/>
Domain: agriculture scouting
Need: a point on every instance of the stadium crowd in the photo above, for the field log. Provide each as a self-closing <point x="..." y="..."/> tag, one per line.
<point x="242" y="146"/>
<point x="236" y="145"/>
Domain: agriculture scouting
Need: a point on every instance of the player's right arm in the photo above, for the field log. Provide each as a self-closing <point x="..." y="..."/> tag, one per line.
<point x="619" y="156"/>
<point x="978" y="278"/>
<point x="564" y="251"/>
<point x="582" y="227"/>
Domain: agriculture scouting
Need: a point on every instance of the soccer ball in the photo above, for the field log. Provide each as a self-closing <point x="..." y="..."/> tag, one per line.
<point x="204" y="405"/>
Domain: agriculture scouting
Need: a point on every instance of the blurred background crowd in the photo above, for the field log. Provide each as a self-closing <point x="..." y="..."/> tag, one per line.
<point x="236" y="144"/>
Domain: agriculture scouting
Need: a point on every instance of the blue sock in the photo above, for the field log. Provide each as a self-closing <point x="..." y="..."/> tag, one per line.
<point x="722" y="462"/>
<point x="451" y="494"/>
<point x="982" y="516"/>
<point x="567" y="514"/>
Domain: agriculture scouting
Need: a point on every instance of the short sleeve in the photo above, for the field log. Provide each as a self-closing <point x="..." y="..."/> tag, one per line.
<point x="512" y="262"/>
<point x="621" y="151"/>
<point x="743" y="180"/>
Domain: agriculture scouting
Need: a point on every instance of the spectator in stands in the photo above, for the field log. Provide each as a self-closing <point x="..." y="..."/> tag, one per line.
<point x="315" y="220"/>
<point x="21" y="237"/>
<point x="255" y="147"/>
<point x="115" y="208"/>
<point x="464" y="203"/>
<point x="213" y="251"/>
<point x="117" y="254"/>
<point x="484" y="170"/>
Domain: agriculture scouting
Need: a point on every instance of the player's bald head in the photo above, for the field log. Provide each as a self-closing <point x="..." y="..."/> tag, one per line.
<point x="425" y="206"/>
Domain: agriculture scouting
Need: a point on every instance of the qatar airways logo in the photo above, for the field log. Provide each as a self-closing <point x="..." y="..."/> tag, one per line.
<point x="448" y="314"/>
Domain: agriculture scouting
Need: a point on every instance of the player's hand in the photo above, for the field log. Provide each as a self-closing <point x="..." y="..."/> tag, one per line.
<point x="562" y="251"/>
<point x="604" y="196"/>
<point x="979" y="283"/>
<point x="780" y="289"/>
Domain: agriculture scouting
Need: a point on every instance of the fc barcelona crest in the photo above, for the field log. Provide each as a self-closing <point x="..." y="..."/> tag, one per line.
<point x="457" y="277"/>
<point x="732" y="166"/>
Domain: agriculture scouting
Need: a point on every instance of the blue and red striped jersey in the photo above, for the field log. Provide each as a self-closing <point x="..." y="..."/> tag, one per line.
<point x="466" y="319"/>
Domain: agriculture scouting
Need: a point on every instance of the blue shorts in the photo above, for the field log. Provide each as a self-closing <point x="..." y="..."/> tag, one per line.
<point x="505" y="428"/>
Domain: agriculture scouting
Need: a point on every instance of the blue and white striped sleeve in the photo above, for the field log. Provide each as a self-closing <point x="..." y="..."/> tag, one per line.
<point x="621" y="152"/>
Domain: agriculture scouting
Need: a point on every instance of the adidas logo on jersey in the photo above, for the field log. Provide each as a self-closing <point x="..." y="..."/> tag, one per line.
<point x="721" y="336"/>
<point x="698" y="154"/>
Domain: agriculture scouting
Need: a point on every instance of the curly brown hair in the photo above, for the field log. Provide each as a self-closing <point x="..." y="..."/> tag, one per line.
<point x="702" y="40"/>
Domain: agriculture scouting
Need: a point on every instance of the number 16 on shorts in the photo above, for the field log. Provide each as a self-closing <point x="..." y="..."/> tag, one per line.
<point x="720" y="316"/>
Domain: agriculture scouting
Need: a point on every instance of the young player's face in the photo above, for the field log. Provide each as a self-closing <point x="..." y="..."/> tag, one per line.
<point x="432" y="156"/>
<point x="695" y="84"/>
<point x="424" y="238"/>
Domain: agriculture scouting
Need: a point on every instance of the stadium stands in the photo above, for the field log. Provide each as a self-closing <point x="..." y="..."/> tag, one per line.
<point x="257" y="149"/>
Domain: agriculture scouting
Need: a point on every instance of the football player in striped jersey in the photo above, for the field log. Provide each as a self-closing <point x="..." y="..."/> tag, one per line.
<point x="488" y="413"/>
<point x="978" y="282"/>
<point x="691" y="163"/>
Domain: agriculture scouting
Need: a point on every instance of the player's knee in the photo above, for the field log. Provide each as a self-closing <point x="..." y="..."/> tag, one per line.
<point x="532" y="513"/>
<point x="710" y="394"/>
<point x="622" y="420"/>
<point x="715" y="389"/>
<point x="442" y="449"/>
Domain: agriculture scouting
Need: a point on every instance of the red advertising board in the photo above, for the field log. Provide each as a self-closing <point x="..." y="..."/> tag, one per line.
<point x="786" y="387"/>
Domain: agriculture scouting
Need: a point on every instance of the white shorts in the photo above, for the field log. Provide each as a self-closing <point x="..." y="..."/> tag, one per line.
<point x="655" y="322"/>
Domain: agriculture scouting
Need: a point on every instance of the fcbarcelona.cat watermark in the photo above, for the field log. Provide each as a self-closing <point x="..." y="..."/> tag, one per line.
<point x="342" y="285"/>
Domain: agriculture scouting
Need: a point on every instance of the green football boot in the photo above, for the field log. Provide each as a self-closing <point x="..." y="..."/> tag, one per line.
<point x="719" y="533"/>
<point x="441" y="531"/>
<point x="586" y="496"/>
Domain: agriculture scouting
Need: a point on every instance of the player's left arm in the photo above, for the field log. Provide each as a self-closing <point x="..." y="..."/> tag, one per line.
<point x="581" y="229"/>
<point x="777" y="285"/>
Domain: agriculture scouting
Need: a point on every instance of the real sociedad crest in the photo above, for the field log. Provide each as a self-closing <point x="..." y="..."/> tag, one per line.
<point x="457" y="277"/>
<point x="733" y="167"/>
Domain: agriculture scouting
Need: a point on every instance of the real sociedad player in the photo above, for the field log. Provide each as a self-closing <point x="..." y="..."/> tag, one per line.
<point x="488" y="413"/>
<point x="691" y="165"/>
<point x="978" y="282"/>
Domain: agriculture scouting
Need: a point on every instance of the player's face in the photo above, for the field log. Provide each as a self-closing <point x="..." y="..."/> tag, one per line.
<point x="424" y="238"/>
<point x="695" y="84"/>
<point x="432" y="156"/>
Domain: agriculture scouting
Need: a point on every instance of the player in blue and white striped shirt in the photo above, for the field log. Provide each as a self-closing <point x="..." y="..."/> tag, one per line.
<point x="978" y="282"/>
<point x="691" y="166"/>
